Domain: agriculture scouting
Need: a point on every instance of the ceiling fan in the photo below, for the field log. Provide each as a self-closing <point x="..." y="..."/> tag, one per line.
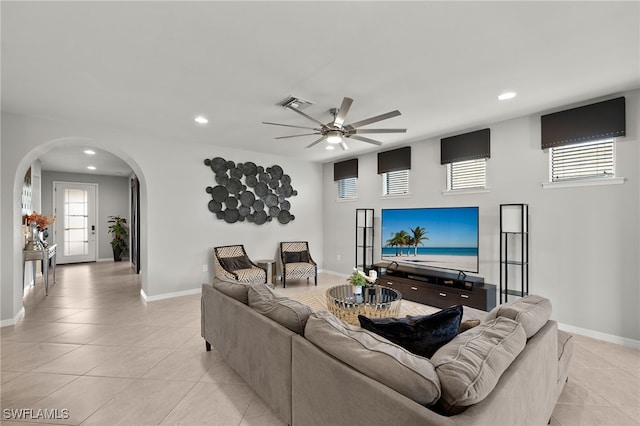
<point x="336" y="132"/>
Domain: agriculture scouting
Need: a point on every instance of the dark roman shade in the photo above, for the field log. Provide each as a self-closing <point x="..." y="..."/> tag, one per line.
<point x="468" y="146"/>
<point x="392" y="161"/>
<point x="345" y="169"/>
<point x="601" y="120"/>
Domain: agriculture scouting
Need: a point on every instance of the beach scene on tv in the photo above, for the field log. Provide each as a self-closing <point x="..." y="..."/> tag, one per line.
<point x="431" y="237"/>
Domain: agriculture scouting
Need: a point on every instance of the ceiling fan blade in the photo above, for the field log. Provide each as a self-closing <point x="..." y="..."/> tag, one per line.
<point x="308" y="117"/>
<point x="295" y="136"/>
<point x="367" y="140"/>
<point x="316" y="142"/>
<point x="344" y="146"/>
<point x="289" y="125"/>
<point x="373" y="119"/>
<point x="363" y="131"/>
<point x="342" y="112"/>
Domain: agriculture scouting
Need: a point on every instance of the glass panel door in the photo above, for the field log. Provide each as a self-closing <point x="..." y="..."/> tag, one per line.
<point x="75" y="227"/>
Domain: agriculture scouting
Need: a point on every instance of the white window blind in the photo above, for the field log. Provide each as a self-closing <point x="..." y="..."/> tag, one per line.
<point x="582" y="161"/>
<point x="467" y="174"/>
<point x="395" y="183"/>
<point x="347" y="188"/>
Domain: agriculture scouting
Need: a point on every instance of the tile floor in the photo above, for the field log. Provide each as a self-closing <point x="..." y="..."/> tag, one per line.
<point x="94" y="352"/>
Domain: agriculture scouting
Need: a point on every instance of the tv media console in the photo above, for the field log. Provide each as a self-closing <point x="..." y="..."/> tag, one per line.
<point x="437" y="288"/>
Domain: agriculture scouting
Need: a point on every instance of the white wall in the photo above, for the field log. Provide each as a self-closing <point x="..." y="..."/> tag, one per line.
<point x="177" y="229"/>
<point x="113" y="200"/>
<point x="584" y="245"/>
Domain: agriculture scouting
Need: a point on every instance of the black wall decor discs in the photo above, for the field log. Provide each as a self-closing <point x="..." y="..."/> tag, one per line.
<point x="249" y="192"/>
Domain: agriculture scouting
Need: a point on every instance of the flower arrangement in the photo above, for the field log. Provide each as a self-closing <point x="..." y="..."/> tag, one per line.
<point x="40" y="220"/>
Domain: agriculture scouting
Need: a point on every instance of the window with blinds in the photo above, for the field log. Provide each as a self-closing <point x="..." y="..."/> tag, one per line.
<point x="582" y="161"/>
<point x="469" y="174"/>
<point x="395" y="183"/>
<point x="347" y="188"/>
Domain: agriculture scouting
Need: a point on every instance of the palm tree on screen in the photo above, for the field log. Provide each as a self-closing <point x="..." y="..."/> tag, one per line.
<point x="419" y="234"/>
<point x="399" y="239"/>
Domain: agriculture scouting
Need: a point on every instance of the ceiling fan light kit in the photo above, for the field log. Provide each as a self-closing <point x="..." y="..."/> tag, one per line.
<point x="334" y="137"/>
<point x="336" y="132"/>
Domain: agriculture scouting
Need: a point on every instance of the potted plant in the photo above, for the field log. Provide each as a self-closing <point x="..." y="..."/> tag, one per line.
<point x="358" y="280"/>
<point x="118" y="227"/>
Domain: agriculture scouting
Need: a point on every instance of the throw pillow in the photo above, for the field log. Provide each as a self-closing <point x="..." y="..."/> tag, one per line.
<point x="235" y="263"/>
<point x="423" y="335"/>
<point x="291" y="257"/>
<point x="468" y="324"/>
<point x="304" y="256"/>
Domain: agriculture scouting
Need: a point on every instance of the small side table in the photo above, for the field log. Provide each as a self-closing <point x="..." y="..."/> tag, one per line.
<point x="270" y="266"/>
<point x="44" y="255"/>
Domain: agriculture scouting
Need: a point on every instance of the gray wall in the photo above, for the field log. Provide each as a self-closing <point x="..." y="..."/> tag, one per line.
<point x="113" y="200"/>
<point x="584" y="246"/>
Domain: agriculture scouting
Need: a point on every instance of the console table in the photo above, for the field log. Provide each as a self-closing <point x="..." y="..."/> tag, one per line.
<point x="436" y="288"/>
<point x="43" y="255"/>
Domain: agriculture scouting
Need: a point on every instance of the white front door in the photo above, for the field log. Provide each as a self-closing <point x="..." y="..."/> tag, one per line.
<point x="75" y="225"/>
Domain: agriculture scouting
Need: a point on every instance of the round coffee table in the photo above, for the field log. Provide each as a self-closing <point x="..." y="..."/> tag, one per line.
<point x="373" y="302"/>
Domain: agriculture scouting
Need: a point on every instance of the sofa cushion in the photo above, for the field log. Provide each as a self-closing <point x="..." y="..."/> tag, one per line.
<point x="235" y="289"/>
<point x="531" y="311"/>
<point x="286" y="312"/>
<point x="235" y="263"/>
<point x="471" y="364"/>
<point x="422" y="335"/>
<point x="375" y="357"/>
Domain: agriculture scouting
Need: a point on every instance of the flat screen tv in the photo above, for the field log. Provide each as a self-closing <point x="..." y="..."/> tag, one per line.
<point x="441" y="237"/>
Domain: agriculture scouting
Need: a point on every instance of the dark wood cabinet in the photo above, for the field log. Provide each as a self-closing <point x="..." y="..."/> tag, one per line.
<point x="436" y="288"/>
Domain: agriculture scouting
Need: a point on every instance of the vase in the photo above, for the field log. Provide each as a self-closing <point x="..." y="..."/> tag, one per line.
<point x="357" y="289"/>
<point x="34" y="244"/>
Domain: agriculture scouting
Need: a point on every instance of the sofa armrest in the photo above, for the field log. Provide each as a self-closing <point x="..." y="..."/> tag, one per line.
<point x="251" y="344"/>
<point x="526" y="392"/>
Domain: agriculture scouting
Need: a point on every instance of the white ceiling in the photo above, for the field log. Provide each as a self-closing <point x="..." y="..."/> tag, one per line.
<point x="150" y="67"/>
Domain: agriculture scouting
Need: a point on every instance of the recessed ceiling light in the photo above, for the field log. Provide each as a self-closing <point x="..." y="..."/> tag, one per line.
<point x="89" y="152"/>
<point x="200" y="119"/>
<point x="507" y="95"/>
<point x="330" y="147"/>
<point x="91" y="167"/>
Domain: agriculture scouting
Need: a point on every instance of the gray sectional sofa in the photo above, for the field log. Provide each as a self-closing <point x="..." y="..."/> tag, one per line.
<point x="313" y="369"/>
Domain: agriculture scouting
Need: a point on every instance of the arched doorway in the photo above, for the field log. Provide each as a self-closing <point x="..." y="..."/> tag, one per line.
<point x="12" y="282"/>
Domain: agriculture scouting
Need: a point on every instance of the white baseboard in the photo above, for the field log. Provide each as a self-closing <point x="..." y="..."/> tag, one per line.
<point x="618" y="340"/>
<point x="169" y="295"/>
<point x="14" y="320"/>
